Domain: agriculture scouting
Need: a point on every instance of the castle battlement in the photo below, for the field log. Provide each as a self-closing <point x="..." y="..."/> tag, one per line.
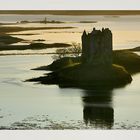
<point x="97" y="47"/>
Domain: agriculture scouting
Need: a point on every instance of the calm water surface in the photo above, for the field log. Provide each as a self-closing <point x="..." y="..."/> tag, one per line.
<point x="55" y="108"/>
<point x="25" y="105"/>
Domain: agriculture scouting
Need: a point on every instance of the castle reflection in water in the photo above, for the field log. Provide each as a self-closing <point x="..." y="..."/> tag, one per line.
<point x="98" y="110"/>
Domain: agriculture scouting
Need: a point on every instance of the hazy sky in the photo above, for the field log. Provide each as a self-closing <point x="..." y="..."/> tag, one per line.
<point x="69" y="4"/>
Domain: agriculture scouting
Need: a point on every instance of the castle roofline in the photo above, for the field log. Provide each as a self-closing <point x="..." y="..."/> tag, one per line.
<point x="94" y="31"/>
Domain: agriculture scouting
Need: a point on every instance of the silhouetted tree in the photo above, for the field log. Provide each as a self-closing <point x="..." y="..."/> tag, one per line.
<point x="74" y="51"/>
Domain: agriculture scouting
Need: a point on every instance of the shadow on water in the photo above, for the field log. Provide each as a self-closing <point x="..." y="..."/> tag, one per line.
<point x="97" y="108"/>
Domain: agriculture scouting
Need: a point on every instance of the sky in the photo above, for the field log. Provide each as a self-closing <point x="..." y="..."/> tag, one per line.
<point x="69" y="4"/>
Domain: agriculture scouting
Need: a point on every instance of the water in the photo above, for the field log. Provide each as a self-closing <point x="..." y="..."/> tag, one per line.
<point x="32" y="103"/>
<point x="125" y="29"/>
<point x="25" y="105"/>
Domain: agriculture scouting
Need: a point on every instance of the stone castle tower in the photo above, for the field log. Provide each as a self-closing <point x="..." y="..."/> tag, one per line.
<point x="97" y="47"/>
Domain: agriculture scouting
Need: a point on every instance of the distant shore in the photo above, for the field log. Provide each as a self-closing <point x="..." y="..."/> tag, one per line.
<point x="33" y="46"/>
<point x="4" y="30"/>
<point x="72" y="12"/>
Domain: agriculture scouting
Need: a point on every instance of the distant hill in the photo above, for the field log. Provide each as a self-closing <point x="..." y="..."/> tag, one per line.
<point x="73" y="12"/>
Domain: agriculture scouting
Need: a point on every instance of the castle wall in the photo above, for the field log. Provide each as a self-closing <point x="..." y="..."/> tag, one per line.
<point x="97" y="47"/>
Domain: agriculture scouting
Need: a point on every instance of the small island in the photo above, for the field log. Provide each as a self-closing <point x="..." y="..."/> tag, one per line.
<point x="94" y="68"/>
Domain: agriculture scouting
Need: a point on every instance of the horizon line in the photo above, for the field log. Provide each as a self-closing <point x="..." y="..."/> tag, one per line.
<point x="73" y="12"/>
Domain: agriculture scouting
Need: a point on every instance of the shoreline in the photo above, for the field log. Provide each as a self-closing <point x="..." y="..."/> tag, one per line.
<point x="133" y="50"/>
<point x="33" y="46"/>
<point x="5" y="30"/>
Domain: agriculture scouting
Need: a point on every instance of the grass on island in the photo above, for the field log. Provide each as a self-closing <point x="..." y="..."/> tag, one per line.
<point x="86" y="76"/>
<point x="69" y="71"/>
<point x="136" y="49"/>
<point x="129" y="60"/>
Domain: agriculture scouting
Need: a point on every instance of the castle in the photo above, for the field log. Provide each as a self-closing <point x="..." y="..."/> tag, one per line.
<point x="97" y="47"/>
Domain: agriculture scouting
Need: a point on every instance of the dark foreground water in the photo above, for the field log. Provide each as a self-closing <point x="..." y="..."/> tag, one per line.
<point x="26" y="105"/>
